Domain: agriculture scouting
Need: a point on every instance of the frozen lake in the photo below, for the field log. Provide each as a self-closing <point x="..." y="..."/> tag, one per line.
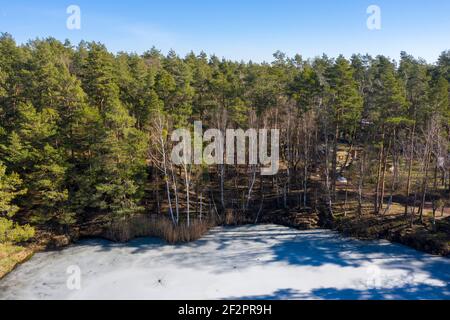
<point x="250" y="262"/>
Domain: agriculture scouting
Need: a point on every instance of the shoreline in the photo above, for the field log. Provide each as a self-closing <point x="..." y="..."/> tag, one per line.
<point x="367" y="228"/>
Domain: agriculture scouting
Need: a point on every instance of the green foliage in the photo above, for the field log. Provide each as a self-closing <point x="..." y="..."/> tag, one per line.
<point x="31" y="151"/>
<point x="388" y="95"/>
<point x="75" y="121"/>
<point x="11" y="232"/>
<point x="396" y="121"/>
<point x="113" y="183"/>
<point x="9" y="185"/>
<point x="344" y="98"/>
<point x="306" y="88"/>
<point x="440" y="102"/>
<point x="9" y="190"/>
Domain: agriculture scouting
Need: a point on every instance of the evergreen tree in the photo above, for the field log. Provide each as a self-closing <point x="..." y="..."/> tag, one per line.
<point x="30" y="150"/>
<point x="117" y="164"/>
<point x="345" y="105"/>
<point x="9" y="189"/>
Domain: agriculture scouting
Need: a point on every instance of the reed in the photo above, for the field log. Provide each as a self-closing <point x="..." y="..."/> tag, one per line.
<point x="147" y="226"/>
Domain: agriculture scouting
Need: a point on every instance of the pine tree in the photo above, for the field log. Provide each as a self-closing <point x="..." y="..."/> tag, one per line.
<point x="10" y="188"/>
<point x="31" y="152"/>
<point x="117" y="164"/>
<point x="345" y="105"/>
<point x="387" y="107"/>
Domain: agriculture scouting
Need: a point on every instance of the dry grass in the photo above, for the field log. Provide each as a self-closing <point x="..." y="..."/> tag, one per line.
<point x="11" y="256"/>
<point x="234" y="218"/>
<point x="145" y="226"/>
<point x="395" y="226"/>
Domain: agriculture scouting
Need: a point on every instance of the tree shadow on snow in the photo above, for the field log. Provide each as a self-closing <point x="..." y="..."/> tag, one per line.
<point x="238" y="248"/>
<point x="407" y="292"/>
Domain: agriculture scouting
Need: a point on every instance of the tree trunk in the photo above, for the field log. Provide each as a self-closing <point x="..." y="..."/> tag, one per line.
<point x="424" y="188"/>
<point x="360" y="183"/>
<point x="334" y="163"/>
<point x="187" y="182"/>
<point x="383" y="176"/>
<point x="380" y="163"/>
<point x="410" y="163"/>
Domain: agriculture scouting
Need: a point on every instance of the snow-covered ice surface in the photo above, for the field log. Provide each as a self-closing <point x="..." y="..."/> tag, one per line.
<point x="250" y="262"/>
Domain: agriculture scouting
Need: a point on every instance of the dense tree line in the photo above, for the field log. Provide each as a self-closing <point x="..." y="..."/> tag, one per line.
<point x="85" y="133"/>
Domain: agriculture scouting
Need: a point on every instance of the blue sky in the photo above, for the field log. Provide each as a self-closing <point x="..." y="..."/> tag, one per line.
<point x="245" y="29"/>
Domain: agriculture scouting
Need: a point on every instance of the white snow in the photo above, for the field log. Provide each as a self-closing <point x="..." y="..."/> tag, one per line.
<point x="249" y="262"/>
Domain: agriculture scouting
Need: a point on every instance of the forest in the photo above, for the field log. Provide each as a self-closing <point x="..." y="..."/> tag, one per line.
<point x="85" y="139"/>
